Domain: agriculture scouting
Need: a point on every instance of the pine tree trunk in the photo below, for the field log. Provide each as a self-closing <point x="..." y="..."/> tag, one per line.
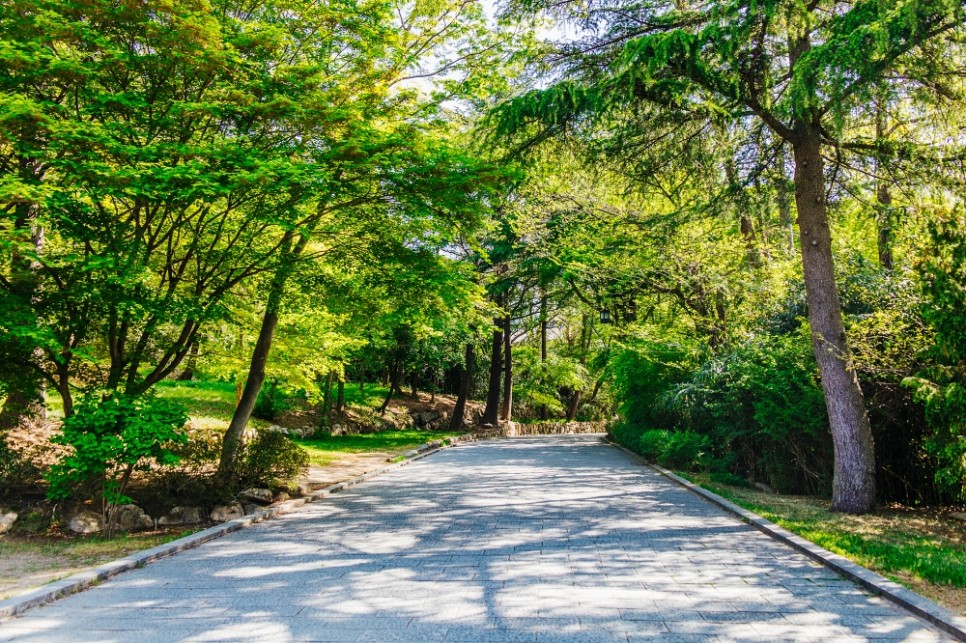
<point x="853" y="485"/>
<point x="492" y="409"/>
<point x="466" y="379"/>
<point x="506" y="409"/>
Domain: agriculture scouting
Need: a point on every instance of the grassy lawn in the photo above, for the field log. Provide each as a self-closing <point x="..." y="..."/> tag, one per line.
<point x="920" y="548"/>
<point x="324" y="450"/>
<point x="31" y="561"/>
<point x="210" y="404"/>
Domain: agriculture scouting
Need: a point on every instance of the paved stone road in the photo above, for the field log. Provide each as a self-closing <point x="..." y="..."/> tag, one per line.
<point x="539" y="539"/>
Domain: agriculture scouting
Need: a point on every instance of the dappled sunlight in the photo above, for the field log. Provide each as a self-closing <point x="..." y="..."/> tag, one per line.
<point x="560" y="539"/>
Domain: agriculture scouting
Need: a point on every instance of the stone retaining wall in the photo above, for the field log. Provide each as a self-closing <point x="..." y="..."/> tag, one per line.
<point x="552" y="428"/>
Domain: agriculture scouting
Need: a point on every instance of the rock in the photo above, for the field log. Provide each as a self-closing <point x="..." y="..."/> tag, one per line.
<point x="182" y="516"/>
<point x="6" y="521"/>
<point x="958" y="516"/>
<point x="281" y="496"/>
<point x="87" y="522"/>
<point x="261" y="496"/>
<point x="224" y="513"/>
<point x="250" y="508"/>
<point x="132" y="518"/>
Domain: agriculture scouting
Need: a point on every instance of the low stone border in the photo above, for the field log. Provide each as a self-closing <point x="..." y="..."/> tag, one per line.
<point x="919" y="605"/>
<point x="20" y="603"/>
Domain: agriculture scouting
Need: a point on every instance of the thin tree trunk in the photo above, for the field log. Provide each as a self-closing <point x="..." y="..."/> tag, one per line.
<point x="506" y="409"/>
<point x="466" y="379"/>
<point x="574" y="406"/>
<point x="188" y="373"/>
<point x="340" y="396"/>
<point x="492" y="409"/>
<point x="853" y="484"/>
<point x="395" y="376"/>
<point x="327" y="397"/>
<point x="253" y="384"/>
<point x="543" y="344"/>
<point x="232" y="442"/>
<point x="884" y="201"/>
<point x="785" y="207"/>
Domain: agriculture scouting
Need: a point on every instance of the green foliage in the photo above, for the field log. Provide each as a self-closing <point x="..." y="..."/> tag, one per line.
<point x="111" y="437"/>
<point x="941" y="387"/>
<point x="683" y="450"/>
<point x="271" y="458"/>
<point x="763" y="407"/>
<point x="271" y="402"/>
<point x="539" y="382"/>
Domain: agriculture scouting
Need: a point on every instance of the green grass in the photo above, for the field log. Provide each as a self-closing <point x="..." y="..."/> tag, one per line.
<point x="32" y="561"/>
<point x="372" y="395"/>
<point x="210" y="404"/>
<point x="901" y="544"/>
<point x="324" y="450"/>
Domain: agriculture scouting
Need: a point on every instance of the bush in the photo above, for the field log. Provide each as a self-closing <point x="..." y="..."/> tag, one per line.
<point x="110" y="439"/>
<point x="271" y="458"/>
<point x="676" y="449"/>
<point x="271" y="403"/>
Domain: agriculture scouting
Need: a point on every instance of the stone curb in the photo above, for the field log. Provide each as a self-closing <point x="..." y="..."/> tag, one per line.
<point x="20" y="603"/>
<point x="922" y="607"/>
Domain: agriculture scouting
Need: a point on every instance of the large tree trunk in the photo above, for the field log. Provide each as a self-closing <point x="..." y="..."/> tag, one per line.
<point x="853" y="485"/>
<point x="506" y="409"/>
<point x="492" y="409"/>
<point x="466" y="379"/>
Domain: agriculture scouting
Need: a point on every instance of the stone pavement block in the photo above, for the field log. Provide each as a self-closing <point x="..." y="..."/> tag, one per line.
<point x="586" y="546"/>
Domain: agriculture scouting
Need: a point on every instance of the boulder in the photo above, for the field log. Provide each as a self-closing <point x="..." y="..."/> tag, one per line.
<point x="6" y="521"/>
<point x="261" y="496"/>
<point x="182" y="516"/>
<point x="224" y="513"/>
<point x="281" y="496"/>
<point x="132" y="518"/>
<point x="250" y="508"/>
<point x="959" y="515"/>
<point x="87" y="522"/>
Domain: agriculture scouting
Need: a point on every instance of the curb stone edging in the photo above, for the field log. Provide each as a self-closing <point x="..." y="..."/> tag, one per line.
<point x="920" y="606"/>
<point x="20" y="603"/>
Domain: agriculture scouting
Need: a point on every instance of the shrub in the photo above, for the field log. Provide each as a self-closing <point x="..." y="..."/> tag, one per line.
<point x="676" y="449"/>
<point x="110" y="439"/>
<point x="271" y="457"/>
<point x="653" y="444"/>
<point x="271" y="402"/>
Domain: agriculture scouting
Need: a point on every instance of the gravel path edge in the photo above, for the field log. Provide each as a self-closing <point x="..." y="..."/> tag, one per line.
<point x="20" y="603"/>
